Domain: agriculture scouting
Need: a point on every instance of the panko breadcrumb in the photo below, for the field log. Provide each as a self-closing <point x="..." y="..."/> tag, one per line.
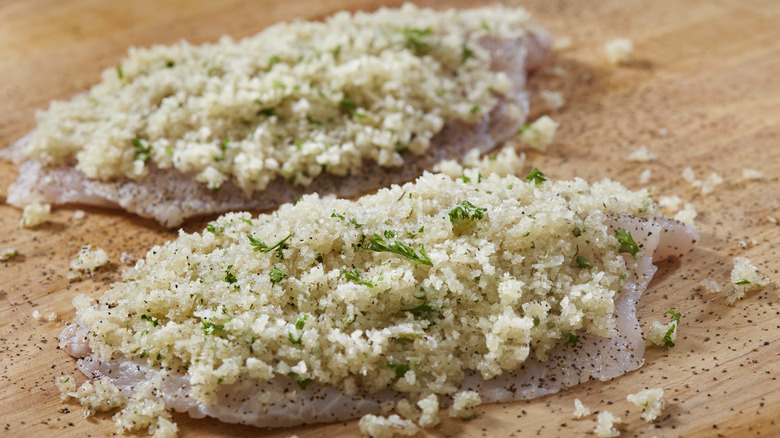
<point x="463" y="404"/>
<point x="651" y="401"/>
<point x="376" y="426"/>
<point x="8" y="254"/>
<point x="552" y="99"/>
<point x="539" y="134"/>
<point x="430" y="411"/>
<point x="35" y="214"/>
<point x="618" y="51"/>
<point x="642" y="155"/>
<point x="605" y="425"/>
<point x="580" y="410"/>
<point x="745" y="278"/>
<point x="88" y="260"/>
<point x="66" y="385"/>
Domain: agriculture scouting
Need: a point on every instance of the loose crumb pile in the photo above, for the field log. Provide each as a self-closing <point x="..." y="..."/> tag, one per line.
<point x="294" y="101"/>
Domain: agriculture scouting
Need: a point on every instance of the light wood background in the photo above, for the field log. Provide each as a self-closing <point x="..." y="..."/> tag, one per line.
<point x="705" y="71"/>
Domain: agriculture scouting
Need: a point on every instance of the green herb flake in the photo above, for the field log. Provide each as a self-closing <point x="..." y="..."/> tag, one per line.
<point x="389" y="243"/>
<point x="413" y="39"/>
<point x="537" y="322"/>
<point x="571" y="338"/>
<point x="474" y="109"/>
<point x="259" y="245"/>
<point x="422" y="311"/>
<point x="465" y="214"/>
<point x="209" y="327"/>
<point x="351" y="220"/>
<point x="273" y="60"/>
<point x="276" y="275"/>
<point x="151" y="319"/>
<point x="583" y="263"/>
<point x="348" y="104"/>
<point x="668" y="335"/>
<point x="229" y="277"/>
<point x="293" y="339"/>
<point x="314" y="121"/>
<point x="142" y="153"/>
<point x="301" y="322"/>
<point x="248" y="221"/>
<point x="400" y="368"/>
<point x="536" y="177"/>
<point x="670" y="331"/>
<point x="675" y="315"/>
<point x="465" y="54"/>
<point x="576" y="232"/>
<point x="354" y="275"/>
<point x="627" y="244"/>
<point x="268" y="112"/>
<point x="215" y="228"/>
<point x="741" y="282"/>
<point x="302" y="383"/>
<point x="119" y="73"/>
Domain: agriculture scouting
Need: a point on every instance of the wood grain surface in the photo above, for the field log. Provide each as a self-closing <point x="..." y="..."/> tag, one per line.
<point x="703" y="90"/>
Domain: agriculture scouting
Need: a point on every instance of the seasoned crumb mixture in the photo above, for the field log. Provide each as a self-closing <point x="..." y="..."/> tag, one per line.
<point x="408" y="289"/>
<point x="293" y="101"/>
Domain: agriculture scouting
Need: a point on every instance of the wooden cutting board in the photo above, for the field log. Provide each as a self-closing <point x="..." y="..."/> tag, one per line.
<point x="703" y="91"/>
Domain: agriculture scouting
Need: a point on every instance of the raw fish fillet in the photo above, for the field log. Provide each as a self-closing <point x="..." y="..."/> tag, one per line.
<point x="170" y="197"/>
<point x="245" y="402"/>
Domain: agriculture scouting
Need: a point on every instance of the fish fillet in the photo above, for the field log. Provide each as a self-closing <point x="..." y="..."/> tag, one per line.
<point x="280" y="402"/>
<point x="170" y="197"/>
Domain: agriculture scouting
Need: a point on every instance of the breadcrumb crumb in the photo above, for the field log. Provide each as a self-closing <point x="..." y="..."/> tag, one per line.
<point x="561" y="43"/>
<point x="385" y="427"/>
<point x="642" y="155"/>
<point x="605" y="425"/>
<point x="88" y="260"/>
<point x="751" y="174"/>
<point x="8" y="254"/>
<point x="463" y="404"/>
<point x="35" y="214"/>
<point x="687" y="214"/>
<point x="66" y="385"/>
<point x="744" y="278"/>
<point x="651" y="401"/>
<point x="619" y="50"/>
<point x="580" y="410"/>
<point x="644" y="177"/>
<point x="430" y="411"/>
<point x="552" y="99"/>
<point x="539" y="134"/>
